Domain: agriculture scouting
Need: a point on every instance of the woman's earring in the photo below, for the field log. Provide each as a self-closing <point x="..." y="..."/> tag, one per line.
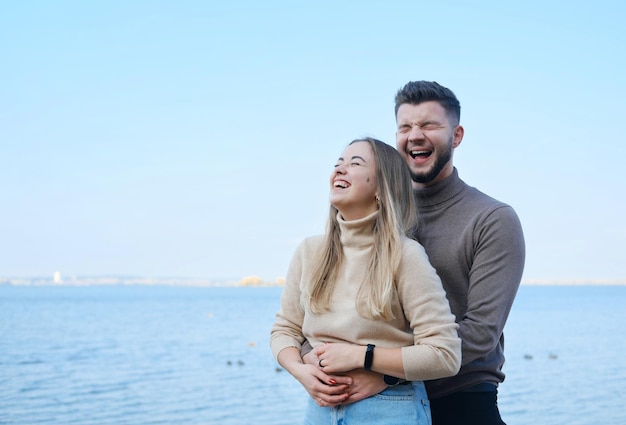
<point x="377" y="201"/>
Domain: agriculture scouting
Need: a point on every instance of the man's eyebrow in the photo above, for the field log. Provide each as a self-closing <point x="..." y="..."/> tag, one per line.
<point x="418" y="123"/>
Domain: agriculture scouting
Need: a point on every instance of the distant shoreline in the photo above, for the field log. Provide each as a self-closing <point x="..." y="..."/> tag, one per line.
<point x="574" y="282"/>
<point x="245" y="282"/>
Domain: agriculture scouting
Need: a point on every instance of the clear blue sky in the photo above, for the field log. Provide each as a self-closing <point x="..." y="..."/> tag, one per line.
<point x="193" y="138"/>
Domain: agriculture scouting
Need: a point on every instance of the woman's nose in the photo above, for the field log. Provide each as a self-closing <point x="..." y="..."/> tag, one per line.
<point x="340" y="169"/>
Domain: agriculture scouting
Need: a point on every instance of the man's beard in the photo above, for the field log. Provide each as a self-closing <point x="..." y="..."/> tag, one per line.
<point x="433" y="172"/>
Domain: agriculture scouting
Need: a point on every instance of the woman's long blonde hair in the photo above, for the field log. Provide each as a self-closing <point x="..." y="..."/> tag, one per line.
<point x="397" y="216"/>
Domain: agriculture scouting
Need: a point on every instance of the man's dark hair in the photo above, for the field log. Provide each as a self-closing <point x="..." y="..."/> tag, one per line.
<point x="416" y="92"/>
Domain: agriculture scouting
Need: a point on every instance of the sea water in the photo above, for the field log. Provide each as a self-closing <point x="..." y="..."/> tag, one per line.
<point x="174" y="355"/>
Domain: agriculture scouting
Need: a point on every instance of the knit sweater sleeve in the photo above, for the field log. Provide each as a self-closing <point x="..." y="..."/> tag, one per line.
<point x="497" y="265"/>
<point x="436" y="352"/>
<point x="287" y="329"/>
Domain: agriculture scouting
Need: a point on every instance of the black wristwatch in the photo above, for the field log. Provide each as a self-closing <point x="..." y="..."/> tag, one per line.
<point x="369" y="357"/>
<point x="391" y="380"/>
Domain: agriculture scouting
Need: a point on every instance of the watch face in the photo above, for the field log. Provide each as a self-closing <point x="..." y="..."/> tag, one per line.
<point x="391" y="380"/>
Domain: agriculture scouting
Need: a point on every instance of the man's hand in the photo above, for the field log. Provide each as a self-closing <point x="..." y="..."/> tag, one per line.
<point x="364" y="384"/>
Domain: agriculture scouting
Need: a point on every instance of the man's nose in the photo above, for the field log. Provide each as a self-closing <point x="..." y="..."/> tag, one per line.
<point x="416" y="133"/>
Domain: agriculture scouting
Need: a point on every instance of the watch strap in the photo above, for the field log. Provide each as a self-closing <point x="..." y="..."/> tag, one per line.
<point x="369" y="357"/>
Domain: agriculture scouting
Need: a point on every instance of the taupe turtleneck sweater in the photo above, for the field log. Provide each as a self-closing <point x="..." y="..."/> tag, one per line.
<point x="476" y="244"/>
<point x="424" y="325"/>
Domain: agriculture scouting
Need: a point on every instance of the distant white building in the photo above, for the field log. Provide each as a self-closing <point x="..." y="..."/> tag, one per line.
<point x="56" y="277"/>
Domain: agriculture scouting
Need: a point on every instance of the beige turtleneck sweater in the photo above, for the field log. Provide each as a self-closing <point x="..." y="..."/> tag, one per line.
<point x="423" y="326"/>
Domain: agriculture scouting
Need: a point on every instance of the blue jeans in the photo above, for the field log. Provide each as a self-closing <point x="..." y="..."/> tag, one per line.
<point x="399" y="405"/>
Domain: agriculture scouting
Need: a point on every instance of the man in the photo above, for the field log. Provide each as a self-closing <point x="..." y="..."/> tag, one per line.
<point x="474" y="242"/>
<point x="476" y="245"/>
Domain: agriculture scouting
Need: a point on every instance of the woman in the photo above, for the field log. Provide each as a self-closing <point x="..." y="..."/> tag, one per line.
<point x="365" y="296"/>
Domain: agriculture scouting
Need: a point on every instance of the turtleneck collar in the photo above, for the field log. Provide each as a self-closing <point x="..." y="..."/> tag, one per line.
<point x="439" y="193"/>
<point x="358" y="232"/>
